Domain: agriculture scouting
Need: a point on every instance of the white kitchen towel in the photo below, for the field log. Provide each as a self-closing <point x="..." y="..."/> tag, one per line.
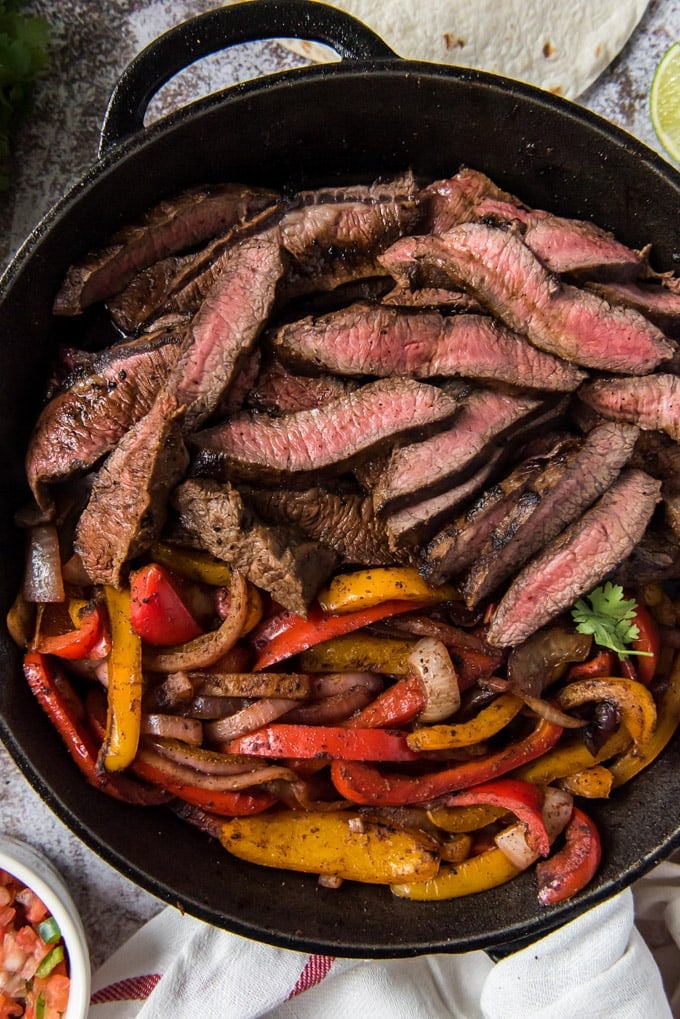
<point x="598" y="965"/>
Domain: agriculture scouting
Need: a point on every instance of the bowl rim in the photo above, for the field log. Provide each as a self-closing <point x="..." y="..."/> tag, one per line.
<point x="24" y="862"/>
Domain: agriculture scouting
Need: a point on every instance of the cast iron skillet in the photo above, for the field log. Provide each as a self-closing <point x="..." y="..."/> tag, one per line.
<point x="370" y="114"/>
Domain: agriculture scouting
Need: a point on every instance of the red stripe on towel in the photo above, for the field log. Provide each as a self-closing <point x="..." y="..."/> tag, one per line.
<point x="130" y="989"/>
<point x="316" y="968"/>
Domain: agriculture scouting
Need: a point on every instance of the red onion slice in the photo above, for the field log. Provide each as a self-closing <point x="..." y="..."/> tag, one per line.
<point x="253" y="717"/>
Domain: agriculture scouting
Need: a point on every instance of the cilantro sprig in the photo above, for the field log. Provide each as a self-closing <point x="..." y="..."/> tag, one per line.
<point x="23" y="57"/>
<point x="609" y="618"/>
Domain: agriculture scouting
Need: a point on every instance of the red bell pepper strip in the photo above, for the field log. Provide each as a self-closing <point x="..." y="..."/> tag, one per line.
<point x="602" y="664"/>
<point x="363" y="783"/>
<point x="521" y="798"/>
<point x="393" y="708"/>
<point x="224" y="803"/>
<point x="157" y="613"/>
<point x="573" y="866"/>
<point x="311" y="741"/>
<point x="89" y="640"/>
<point x="319" y="626"/>
<point x="648" y="640"/>
<point x="61" y="703"/>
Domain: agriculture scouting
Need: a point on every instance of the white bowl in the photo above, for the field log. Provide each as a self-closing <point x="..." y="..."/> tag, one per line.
<point x="33" y="869"/>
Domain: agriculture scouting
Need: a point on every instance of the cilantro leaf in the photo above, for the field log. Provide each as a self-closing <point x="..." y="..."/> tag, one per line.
<point x="609" y="618"/>
<point x="23" y="57"/>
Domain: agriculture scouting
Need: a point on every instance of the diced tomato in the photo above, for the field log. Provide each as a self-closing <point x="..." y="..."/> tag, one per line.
<point x="34" y="908"/>
<point x="158" y="613"/>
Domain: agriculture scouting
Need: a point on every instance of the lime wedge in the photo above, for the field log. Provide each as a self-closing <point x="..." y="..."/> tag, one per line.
<point x="664" y="101"/>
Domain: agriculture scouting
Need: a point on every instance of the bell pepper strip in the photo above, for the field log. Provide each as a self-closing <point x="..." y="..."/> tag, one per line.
<point x="60" y="702"/>
<point x="21" y="620"/>
<point x="572" y="867"/>
<point x="207" y="648"/>
<point x="363" y="783"/>
<point x="649" y="642"/>
<point x="393" y="708"/>
<point x="571" y="757"/>
<point x="89" y="639"/>
<point x="591" y="783"/>
<point x="464" y="819"/>
<point x="222" y="802"/>
<point x="321" y="842"/>
<point x="362" y="589"/>
<point x="192" y="564"/>
<point x="487" y="723"/>
<point x="157" y="612"/>
<point x="302" y="634"/>
<point x="601" y="664"/>
<point x="633" y="699"/>
<point x="125" y="685"/>
<point x="668" y="720"/>
<point x="359" y="652"/>
<point x="476" y="874"/>
<point x="522" y="799"/>
<point x="312" y="741"/>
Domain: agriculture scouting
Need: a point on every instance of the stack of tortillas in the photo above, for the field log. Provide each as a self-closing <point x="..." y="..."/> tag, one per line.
<point x="559" y="45"/>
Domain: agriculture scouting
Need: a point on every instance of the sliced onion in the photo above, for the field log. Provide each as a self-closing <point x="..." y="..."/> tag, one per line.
<point x="209" y="647"/>
<point x="333" y="881"/>
<point x="43" y="581"/>
<point x="189" y="730"/>
<point x="295" y="685"/>
<point x="512" y="842"/>
<point x="338" y="682"/>
<point x="210" y="706"/>
<point x="210" y="761"/>
<point x="333" y="709"/>
<point x="257" y="714"/>
<point x="551" y="713"/>
<point x="431" y="663"/>
<point x="214" y="783"/>
<point x="176" y="690"/>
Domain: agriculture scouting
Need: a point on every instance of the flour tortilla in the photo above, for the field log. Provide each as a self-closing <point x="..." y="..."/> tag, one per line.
<point x="559" y="45"/>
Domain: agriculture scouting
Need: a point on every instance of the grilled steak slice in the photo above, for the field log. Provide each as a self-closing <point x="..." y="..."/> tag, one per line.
<point x="290" y="569"/>
<point x="403" y="296"/>
<point x="571" y="247"/>
<point x="332" y="436"/>
<point x="140" y="300"/>
<point x="427" y="466"/>
<point x="458" y="544"/>
<point x="87" y="419"/>
<point x="650" y="403"/>
<point x="344" y="521"/>
<point x="173" y="225"/>
<point x="563" y="490"/>
<point x="453" y="201"/>
<point x="654" y="560"/>
<point x="367" y="339"/>
<point x="658" y="303"/>
<point x="659" y="456"/>
<point x="278" y="391"/>
<point x="224" y="331"/>
<point x="128" y="503"/>
<point x="577" y="560"/>
<point x="498" y="268"/>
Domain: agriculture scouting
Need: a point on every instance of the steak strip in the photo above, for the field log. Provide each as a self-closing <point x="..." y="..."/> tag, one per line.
<point x="651" y="403"/>
<point x="577" y="560"/>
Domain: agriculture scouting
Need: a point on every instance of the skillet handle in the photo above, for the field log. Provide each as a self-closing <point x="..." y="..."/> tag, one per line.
<point x="219" y="29"/>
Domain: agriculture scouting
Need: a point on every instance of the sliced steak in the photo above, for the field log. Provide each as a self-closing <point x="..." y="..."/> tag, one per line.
<point x="90" y="416"/>
<point x="367" y="339"/>
<point x="403" y="296"/>
<point x="577" y="560"/>
<point x="224" y="331"/>
<point x="428" y="467"/>
<point x="558" y="495"/>
<point x="173" y="225"/>
<point x="572" y="247"/>
<point x="344" y="521"/>
<point x="332" y="436"/>
<point x="650" y="403"/>
<point x="128" y="503"/>
<point x="279" y="391"/>
<point x="146" y="292"/>
<point x="500" y="270"/>
<point x="659" y="456"/>
<point x="455" y="200"/>
<point x="655" y="559"/>
<point x="657" y="302"/>
<point x="292" y="570"/>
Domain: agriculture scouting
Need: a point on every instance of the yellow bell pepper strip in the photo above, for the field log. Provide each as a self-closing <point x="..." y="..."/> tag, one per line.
<point x="633" y="699"/>
<point x="349" y="592"/>
<point x="668" y="720"/>
<point x="125" y="685"/>
<point x="192" y="564"/>
<point x="393" y="708"/>
<point x="570" y="757"/>
<point x="359" y="652"/>
<point x="522" y="799"/>
<point x="455" y="848"/>
<point x="571" y="868"/>
<point x="363" y="783"/>
<point x="313" y="741"/>
<point x="476" y="874"/>
<point x="464" y="819"/>
<point x="591" y="783"/>
<point x="301" y="634"/>
<point x="487" y="723"/>
<point x="321" y="842"/>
